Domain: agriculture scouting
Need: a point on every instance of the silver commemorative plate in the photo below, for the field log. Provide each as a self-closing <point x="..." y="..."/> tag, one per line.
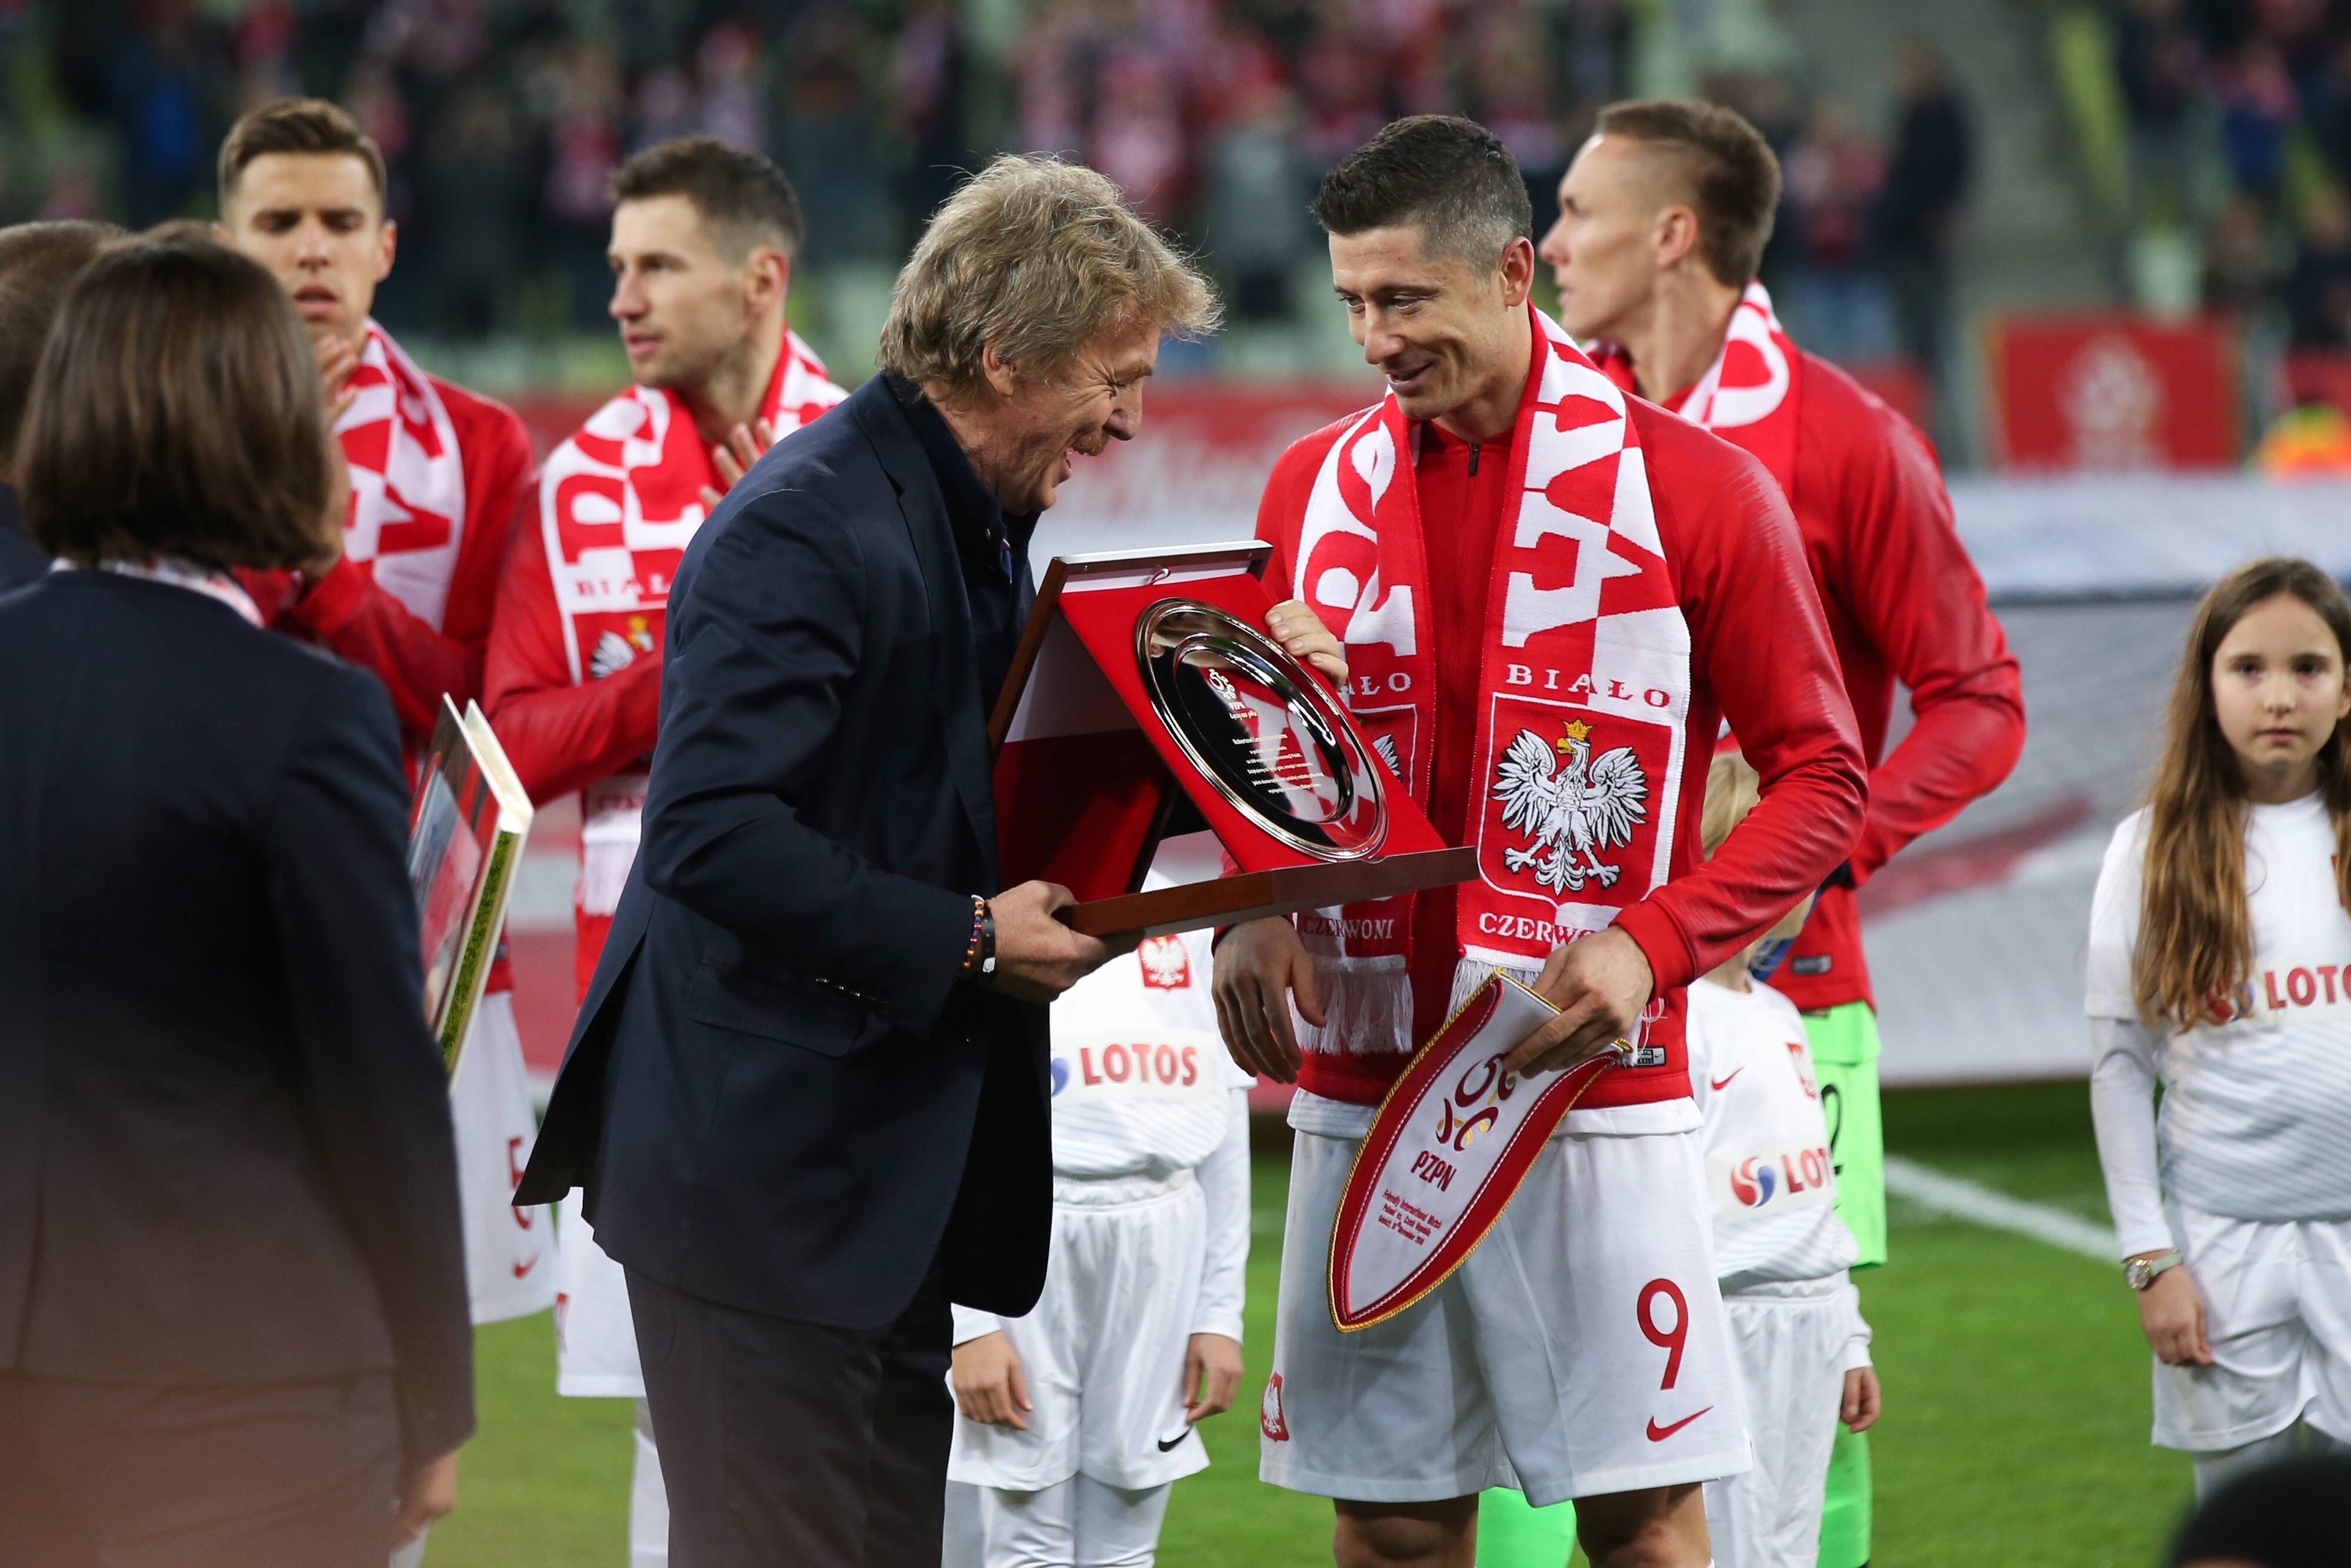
<point x="1267" y="736"/>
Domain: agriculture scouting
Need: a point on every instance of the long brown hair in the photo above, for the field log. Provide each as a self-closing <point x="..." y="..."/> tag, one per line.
<point x="2195" y="945"/>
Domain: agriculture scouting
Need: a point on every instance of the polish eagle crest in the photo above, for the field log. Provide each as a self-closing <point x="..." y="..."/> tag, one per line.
<point x="1571" y="810"/>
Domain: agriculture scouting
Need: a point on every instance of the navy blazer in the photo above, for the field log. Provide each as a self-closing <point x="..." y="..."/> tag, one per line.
<point x="226" y="1154"/>
<point x="21" y="561"/>
<point x="778" y="1095"/>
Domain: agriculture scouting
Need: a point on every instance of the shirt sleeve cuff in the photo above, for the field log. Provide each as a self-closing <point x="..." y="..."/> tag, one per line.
<point x="971" y="1324"/>
<point x="2143" y="1237"/>
<point x="1219" y="1321"/>
<point x="1660" y="941"/>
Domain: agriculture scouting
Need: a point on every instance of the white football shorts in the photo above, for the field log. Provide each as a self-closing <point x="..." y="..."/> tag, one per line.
<point x="595" y="1341"/>
<point x="1789" y="1342"/>
<point x="2277" y="1309"/>
<point x="509" y="1251"/>
<point x="1580" y="1350"/>
<point x="1102" y="1351"/>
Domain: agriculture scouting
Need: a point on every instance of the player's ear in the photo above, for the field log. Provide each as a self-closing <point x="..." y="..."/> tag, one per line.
<point x="1677" y="234"/>
<point x="768" y="278"/>
<point x="1518" y="271"/>
<point x="390" y="249"/>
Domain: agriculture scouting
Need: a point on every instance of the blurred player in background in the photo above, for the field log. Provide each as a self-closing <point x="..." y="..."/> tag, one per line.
<point x="1662" y="222"/>
<point x="39" y="262"/>
<point x="436" y="474"/>
<point x="703" y="235"/>
<point x="1076" y="1420"/>
<point x="1780" y="1253"/>
<point x="1529" y="572"/>
<point x="2218" y="940"/>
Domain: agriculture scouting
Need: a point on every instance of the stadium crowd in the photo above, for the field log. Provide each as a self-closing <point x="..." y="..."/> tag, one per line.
<point x="501" y="121"/>
<point x="2238" y="125"/>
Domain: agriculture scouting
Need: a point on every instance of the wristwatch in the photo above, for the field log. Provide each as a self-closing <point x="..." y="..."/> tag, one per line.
<point x="2140" y="1272"/>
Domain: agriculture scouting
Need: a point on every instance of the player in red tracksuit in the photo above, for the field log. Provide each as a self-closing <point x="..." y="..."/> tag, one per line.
<point x="1551" y="596"/>
<point x="436" y="474"/>
<point x="574" y="672"/>
<point x="1662" y="217"/>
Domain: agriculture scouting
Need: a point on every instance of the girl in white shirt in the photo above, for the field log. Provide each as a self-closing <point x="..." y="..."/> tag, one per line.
<point x="2218" y="941"/>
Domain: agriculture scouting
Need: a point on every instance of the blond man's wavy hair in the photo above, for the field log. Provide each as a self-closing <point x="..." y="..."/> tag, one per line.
<point x="1036" y="258"/>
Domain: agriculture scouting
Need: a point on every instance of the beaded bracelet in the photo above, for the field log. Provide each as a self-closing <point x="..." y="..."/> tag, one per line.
<point x="978" y="926"/>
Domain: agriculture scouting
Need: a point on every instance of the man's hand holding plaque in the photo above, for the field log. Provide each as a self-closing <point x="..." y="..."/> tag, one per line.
<point x="1036" y="956"/>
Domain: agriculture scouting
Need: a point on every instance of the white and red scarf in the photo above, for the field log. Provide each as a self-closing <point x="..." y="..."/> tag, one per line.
<point x="1585" y="690"/>
<point x="407" y="515"/>
<point x="618" y="504"/>
<point x="1748" y="395"/>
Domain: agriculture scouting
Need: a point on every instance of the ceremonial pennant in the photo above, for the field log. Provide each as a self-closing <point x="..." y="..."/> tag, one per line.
<point x="1446" y="1152"/>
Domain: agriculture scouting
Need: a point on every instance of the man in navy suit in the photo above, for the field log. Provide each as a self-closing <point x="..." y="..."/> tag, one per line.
<point x="807" y="1093"/>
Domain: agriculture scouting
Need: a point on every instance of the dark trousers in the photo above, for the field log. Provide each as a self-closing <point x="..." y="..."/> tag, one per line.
<point x="294" y="1475"/>
<point x="786" y="1442"/>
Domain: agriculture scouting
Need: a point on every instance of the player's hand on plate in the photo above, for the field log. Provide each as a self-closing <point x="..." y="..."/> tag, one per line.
<point x="733" y="457"/>
<point x="428" y="1492"/>
<point x="1859" y="1409"/>
<point x="989" y="1385"/>
<point x="1260" y="967"/>
<point x="1599" y="983"/>
<point x="2171" y="1310"/>
<point x="1036" y="956"/>
<point x="1212" y="1372"/>
<point x="1298" y="630"/>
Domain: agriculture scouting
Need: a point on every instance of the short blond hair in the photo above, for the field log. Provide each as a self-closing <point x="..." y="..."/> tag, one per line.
<point x="1035" y="257"/>
<point x="1732" y="789"/>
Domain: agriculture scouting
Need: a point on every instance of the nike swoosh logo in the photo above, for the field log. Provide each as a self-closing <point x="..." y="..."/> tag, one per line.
<point x="522" y="1268"/>
<point x="1717" y="1085"/>
<point x="1659" y="1433"/>
<point x="1167" y="1445"/>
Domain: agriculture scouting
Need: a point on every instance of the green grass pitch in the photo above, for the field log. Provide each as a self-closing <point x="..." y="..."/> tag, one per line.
<point x="2016" y="1392"/>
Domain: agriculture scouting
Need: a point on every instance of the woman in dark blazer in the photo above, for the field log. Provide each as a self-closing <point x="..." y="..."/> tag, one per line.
<point x="233" y="1325"/>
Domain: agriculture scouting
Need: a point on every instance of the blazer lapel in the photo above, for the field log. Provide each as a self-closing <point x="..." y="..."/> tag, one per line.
<point x="924" y="511"/>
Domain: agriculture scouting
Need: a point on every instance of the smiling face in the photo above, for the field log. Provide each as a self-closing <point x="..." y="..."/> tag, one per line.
<point x="683" y="306"/>
<point x="1027" y="434"/>
<point x="1443" y="331"/>
<point x="1603" y="248"/>
<point x="2278" y="693"/>
<point x="315" y="221"/>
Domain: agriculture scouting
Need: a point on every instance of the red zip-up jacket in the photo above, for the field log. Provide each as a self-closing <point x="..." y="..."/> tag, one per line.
<point x="1759" y="656"/>
<point x="346" y="612"/>
<point x="1904" y="604"/>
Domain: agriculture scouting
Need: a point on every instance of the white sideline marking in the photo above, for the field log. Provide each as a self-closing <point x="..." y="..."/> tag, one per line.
<point x="1964" y="1199"/>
